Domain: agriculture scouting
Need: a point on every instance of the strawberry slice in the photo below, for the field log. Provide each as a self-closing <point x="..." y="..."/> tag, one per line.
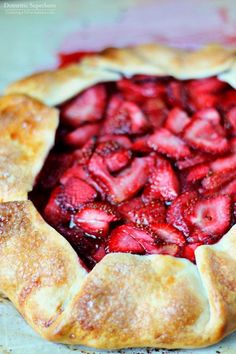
<point x="86" y="107"/>
<point x="130" y="239"/>
<point x="55" y="212"/>
<point x="231" y="117"/>
<point x="222" y="171"/>
<point x="156" y="111"/>
<point x="138" y="91"/>
<point x="99" y="254"/>
<point x="140" y="145"/>
<point x="210" y="114"/>
<point x="177" y="120"/>
<point x="168" y="233"/>
<point x="122" y="140"/>
<point x="216" y="180"/>
<point x="77" y="192"/>
<point x="211" y="216"/>
<point x="169" y="144"/>
<point x="207" y="85"/>
<point x="197" y="172"/>
<point x="189" y="251"/>
<point x="205" y="136"/>
<point x="176" y="94"/>
<point x="124" y="117"/>
<point x="227" y="100"/>
<point x="203" y="101"/>
<point x="94" y="218"/>
<point x="114" y="155"/>
<point x="76" y="171"/>
<point x="193" y="160"/>
<point x="136" y="211"/>
<point x="122" y="240"/>
<point x="126" y="184"/>
<point x="229" y="189"/>
<point x="177" y="211"/>
<point x="163" y="182"/>
<point x="82" y="156"/>
<point x="81" y="135"/>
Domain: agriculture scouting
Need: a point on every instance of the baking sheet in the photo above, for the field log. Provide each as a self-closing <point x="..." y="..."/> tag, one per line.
<point x="31" y="37"/>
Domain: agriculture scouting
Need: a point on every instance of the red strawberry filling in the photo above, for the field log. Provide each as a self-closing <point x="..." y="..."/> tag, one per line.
<point x="145" y="165"/>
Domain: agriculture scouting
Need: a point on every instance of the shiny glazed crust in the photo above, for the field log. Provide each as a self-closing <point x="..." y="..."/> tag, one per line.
<point x="126" y="300"/>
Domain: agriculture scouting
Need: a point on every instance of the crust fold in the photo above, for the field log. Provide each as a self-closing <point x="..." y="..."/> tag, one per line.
<point x="126" y="300"/>
<point x="27" y="131"/>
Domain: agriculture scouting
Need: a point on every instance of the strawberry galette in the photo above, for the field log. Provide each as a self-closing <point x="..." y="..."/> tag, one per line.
<point x="134" y="174"/>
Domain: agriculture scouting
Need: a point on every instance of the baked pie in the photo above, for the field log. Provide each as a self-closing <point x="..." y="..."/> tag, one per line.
<point x="118" y="198"/>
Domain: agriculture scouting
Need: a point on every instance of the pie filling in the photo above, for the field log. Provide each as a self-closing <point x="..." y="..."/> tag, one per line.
<point x="145" y="165"/>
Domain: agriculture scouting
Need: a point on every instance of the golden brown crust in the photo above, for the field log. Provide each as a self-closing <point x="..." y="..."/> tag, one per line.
<point x="54" y="87"/>
<point x="27" y="130"/>
<point x="126" y="300"/>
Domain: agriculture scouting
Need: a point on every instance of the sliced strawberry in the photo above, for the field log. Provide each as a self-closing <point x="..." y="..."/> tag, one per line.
<point x="136" y="211"/>
<point x="81" y="172"/>
<point x="114" y="155"/>
<point x="99" y="253"/>
<point x="167" y="233"/>
<point x="94" y="218"/>
<point x="193" y="160"/>
<point x="122" y="140"/>
<point x="211" y="216"/>
<point x="231" y="117"/>
<point x="55" y="211"/>
<point x="128" y="238"/>
<point x="134" y="91"/>
<point x="229" y="189"/>
<point x="203" y="101"/>
<point x="124" y="117"/>
<point x="216" y="180"/>
<point x="198" y="172"/>
<point x="205" y="136"/>
<point x="77" y="192"/>
<point x="81" y="135"/>
<point x="126" y="184"/>
<point x="210" y="114"/>
<point x="176" y="94"/>
<point x="122" y="240"/>
<point x="76" y="171"/>
<point x="232" y="143"/>
<point x="140" y="145"/>
<point x="227" y="100"/>
<point x="169" y="144"/>
<point x="179" y="209"/>
<point x="156" y="111"/>
<point x="222" y="171"/>
<point x="163" y="182"/>
<point x="177" y="120"/>
<point x="207" y="85"/>
<point x="81" y="156"/>
<point x="86" y="107"/>
<point x="189" y="251"/>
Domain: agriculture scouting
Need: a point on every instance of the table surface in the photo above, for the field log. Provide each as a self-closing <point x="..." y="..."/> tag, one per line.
<point x="32" y="34"/>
